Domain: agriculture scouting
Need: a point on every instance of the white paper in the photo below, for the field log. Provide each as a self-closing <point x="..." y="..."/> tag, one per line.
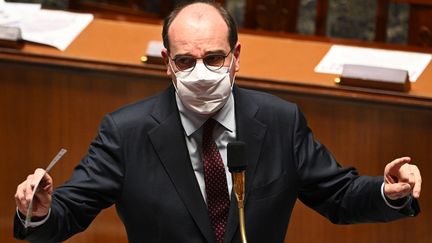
<point x="13" y="13"/>
<point x="154" y="48"/>
<point x="50" y="27"/>
<point x="338" y="55"/>
<point x="54" y="28"/>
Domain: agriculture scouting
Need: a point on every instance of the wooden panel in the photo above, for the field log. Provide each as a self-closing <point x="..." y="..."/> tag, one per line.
<point x="45" y="108"/>
<point x="366" y="135"/>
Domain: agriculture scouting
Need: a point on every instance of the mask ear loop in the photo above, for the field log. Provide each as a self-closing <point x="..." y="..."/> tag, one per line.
<point x="170" y="65"/>
<point x="172" y="70"/>
<point x="229" y="70"/>
<point x="230" y="66"/>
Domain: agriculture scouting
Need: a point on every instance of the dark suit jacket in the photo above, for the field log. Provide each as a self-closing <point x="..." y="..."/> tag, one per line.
<point x="139" y="162"/>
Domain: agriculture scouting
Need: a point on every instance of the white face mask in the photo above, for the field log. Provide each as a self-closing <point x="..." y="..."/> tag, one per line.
<point x="203" y="91"/>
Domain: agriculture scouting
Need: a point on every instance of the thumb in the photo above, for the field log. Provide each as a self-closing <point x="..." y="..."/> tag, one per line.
<point x="397" y="190"/>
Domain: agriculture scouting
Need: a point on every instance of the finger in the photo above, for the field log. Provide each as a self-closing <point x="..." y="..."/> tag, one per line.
<point x="397" y="190"/>
<point x="398" y="163"/>
<point x="417" y="185"/>
<point x="46" y="180"/>
<point x="38" y="175"/>
<point x="411" y="178"/>
<point x="38" y="179"/>
<point x="31" y="182"/>
<point x="20" y="199"/>
<point x="28" y="187"/>
<point x="19" y="195"/>
<point x="46" y="184"/>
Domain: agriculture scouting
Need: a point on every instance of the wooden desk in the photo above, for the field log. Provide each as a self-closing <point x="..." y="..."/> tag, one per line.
<point x="51" y="99"/>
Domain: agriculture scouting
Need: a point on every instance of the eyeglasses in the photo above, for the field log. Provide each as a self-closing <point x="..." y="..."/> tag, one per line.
<point x="213" y="62"/>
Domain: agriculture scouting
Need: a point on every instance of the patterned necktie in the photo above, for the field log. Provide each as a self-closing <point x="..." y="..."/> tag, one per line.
<point x="215" y="182"/>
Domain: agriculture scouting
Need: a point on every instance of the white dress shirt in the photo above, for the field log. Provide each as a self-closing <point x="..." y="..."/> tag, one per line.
<point x="224" y="132"/>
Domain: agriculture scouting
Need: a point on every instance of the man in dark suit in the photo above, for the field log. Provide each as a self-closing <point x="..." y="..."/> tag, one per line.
<point x="149" y="157"/>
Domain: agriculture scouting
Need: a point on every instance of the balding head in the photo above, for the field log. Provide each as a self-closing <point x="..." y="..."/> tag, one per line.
<point x="200" y="11"/>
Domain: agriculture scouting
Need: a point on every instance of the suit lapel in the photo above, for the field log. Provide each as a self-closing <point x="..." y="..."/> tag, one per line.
<point x="169" y="143"/>
<point x="251" y="131"/>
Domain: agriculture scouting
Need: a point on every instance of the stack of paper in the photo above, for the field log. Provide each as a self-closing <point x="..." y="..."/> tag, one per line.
<point x="338" y="55"/>
<point x="50" y="27"/>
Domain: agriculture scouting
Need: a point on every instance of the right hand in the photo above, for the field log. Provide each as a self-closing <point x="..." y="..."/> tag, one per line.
<point x="43" y="196"/>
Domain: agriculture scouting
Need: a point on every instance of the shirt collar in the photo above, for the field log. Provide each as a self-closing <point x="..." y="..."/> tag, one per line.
<point x="192" y="122"/>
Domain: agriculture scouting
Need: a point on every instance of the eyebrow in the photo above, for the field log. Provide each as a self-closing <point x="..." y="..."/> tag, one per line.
<point x="219" y="51"/>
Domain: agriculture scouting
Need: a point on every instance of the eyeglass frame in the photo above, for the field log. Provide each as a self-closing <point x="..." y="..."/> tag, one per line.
<point x="202" y="58"/>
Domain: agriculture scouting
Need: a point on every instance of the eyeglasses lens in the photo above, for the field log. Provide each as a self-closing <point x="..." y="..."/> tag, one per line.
<point x="212" y="62"/>
<point x="185" y="62"/>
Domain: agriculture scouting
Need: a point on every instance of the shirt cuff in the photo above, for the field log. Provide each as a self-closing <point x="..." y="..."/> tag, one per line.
<point x="33" y="224"/>
<point x="397" y="207"/>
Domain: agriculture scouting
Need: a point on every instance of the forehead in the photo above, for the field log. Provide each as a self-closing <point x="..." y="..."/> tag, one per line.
<point x="197" y="29"/>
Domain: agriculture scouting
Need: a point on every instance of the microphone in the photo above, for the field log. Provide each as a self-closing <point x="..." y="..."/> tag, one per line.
<point x="237" y="165"/>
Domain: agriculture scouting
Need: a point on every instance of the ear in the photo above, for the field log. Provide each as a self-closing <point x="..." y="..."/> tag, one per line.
<point x="237" y="56"/>
<point x="165" y="57"/>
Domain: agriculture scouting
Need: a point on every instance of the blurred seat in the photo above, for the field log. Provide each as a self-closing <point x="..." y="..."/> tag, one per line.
<point x="272" y="15"/>
<point x="131" y="10"/>
<point x="282" y="16"/>
<point x="419" y="26"/>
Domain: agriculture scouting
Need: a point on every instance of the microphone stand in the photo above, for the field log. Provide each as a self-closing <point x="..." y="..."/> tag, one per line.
<point x="239" y="190"/>
<point x="237" y="166"/>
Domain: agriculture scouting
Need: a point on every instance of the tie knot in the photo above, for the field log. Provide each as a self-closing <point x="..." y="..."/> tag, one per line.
<point x="209" y="126"/>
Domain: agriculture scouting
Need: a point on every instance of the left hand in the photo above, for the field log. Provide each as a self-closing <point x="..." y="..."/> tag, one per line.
<point x="401" y="179"/>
